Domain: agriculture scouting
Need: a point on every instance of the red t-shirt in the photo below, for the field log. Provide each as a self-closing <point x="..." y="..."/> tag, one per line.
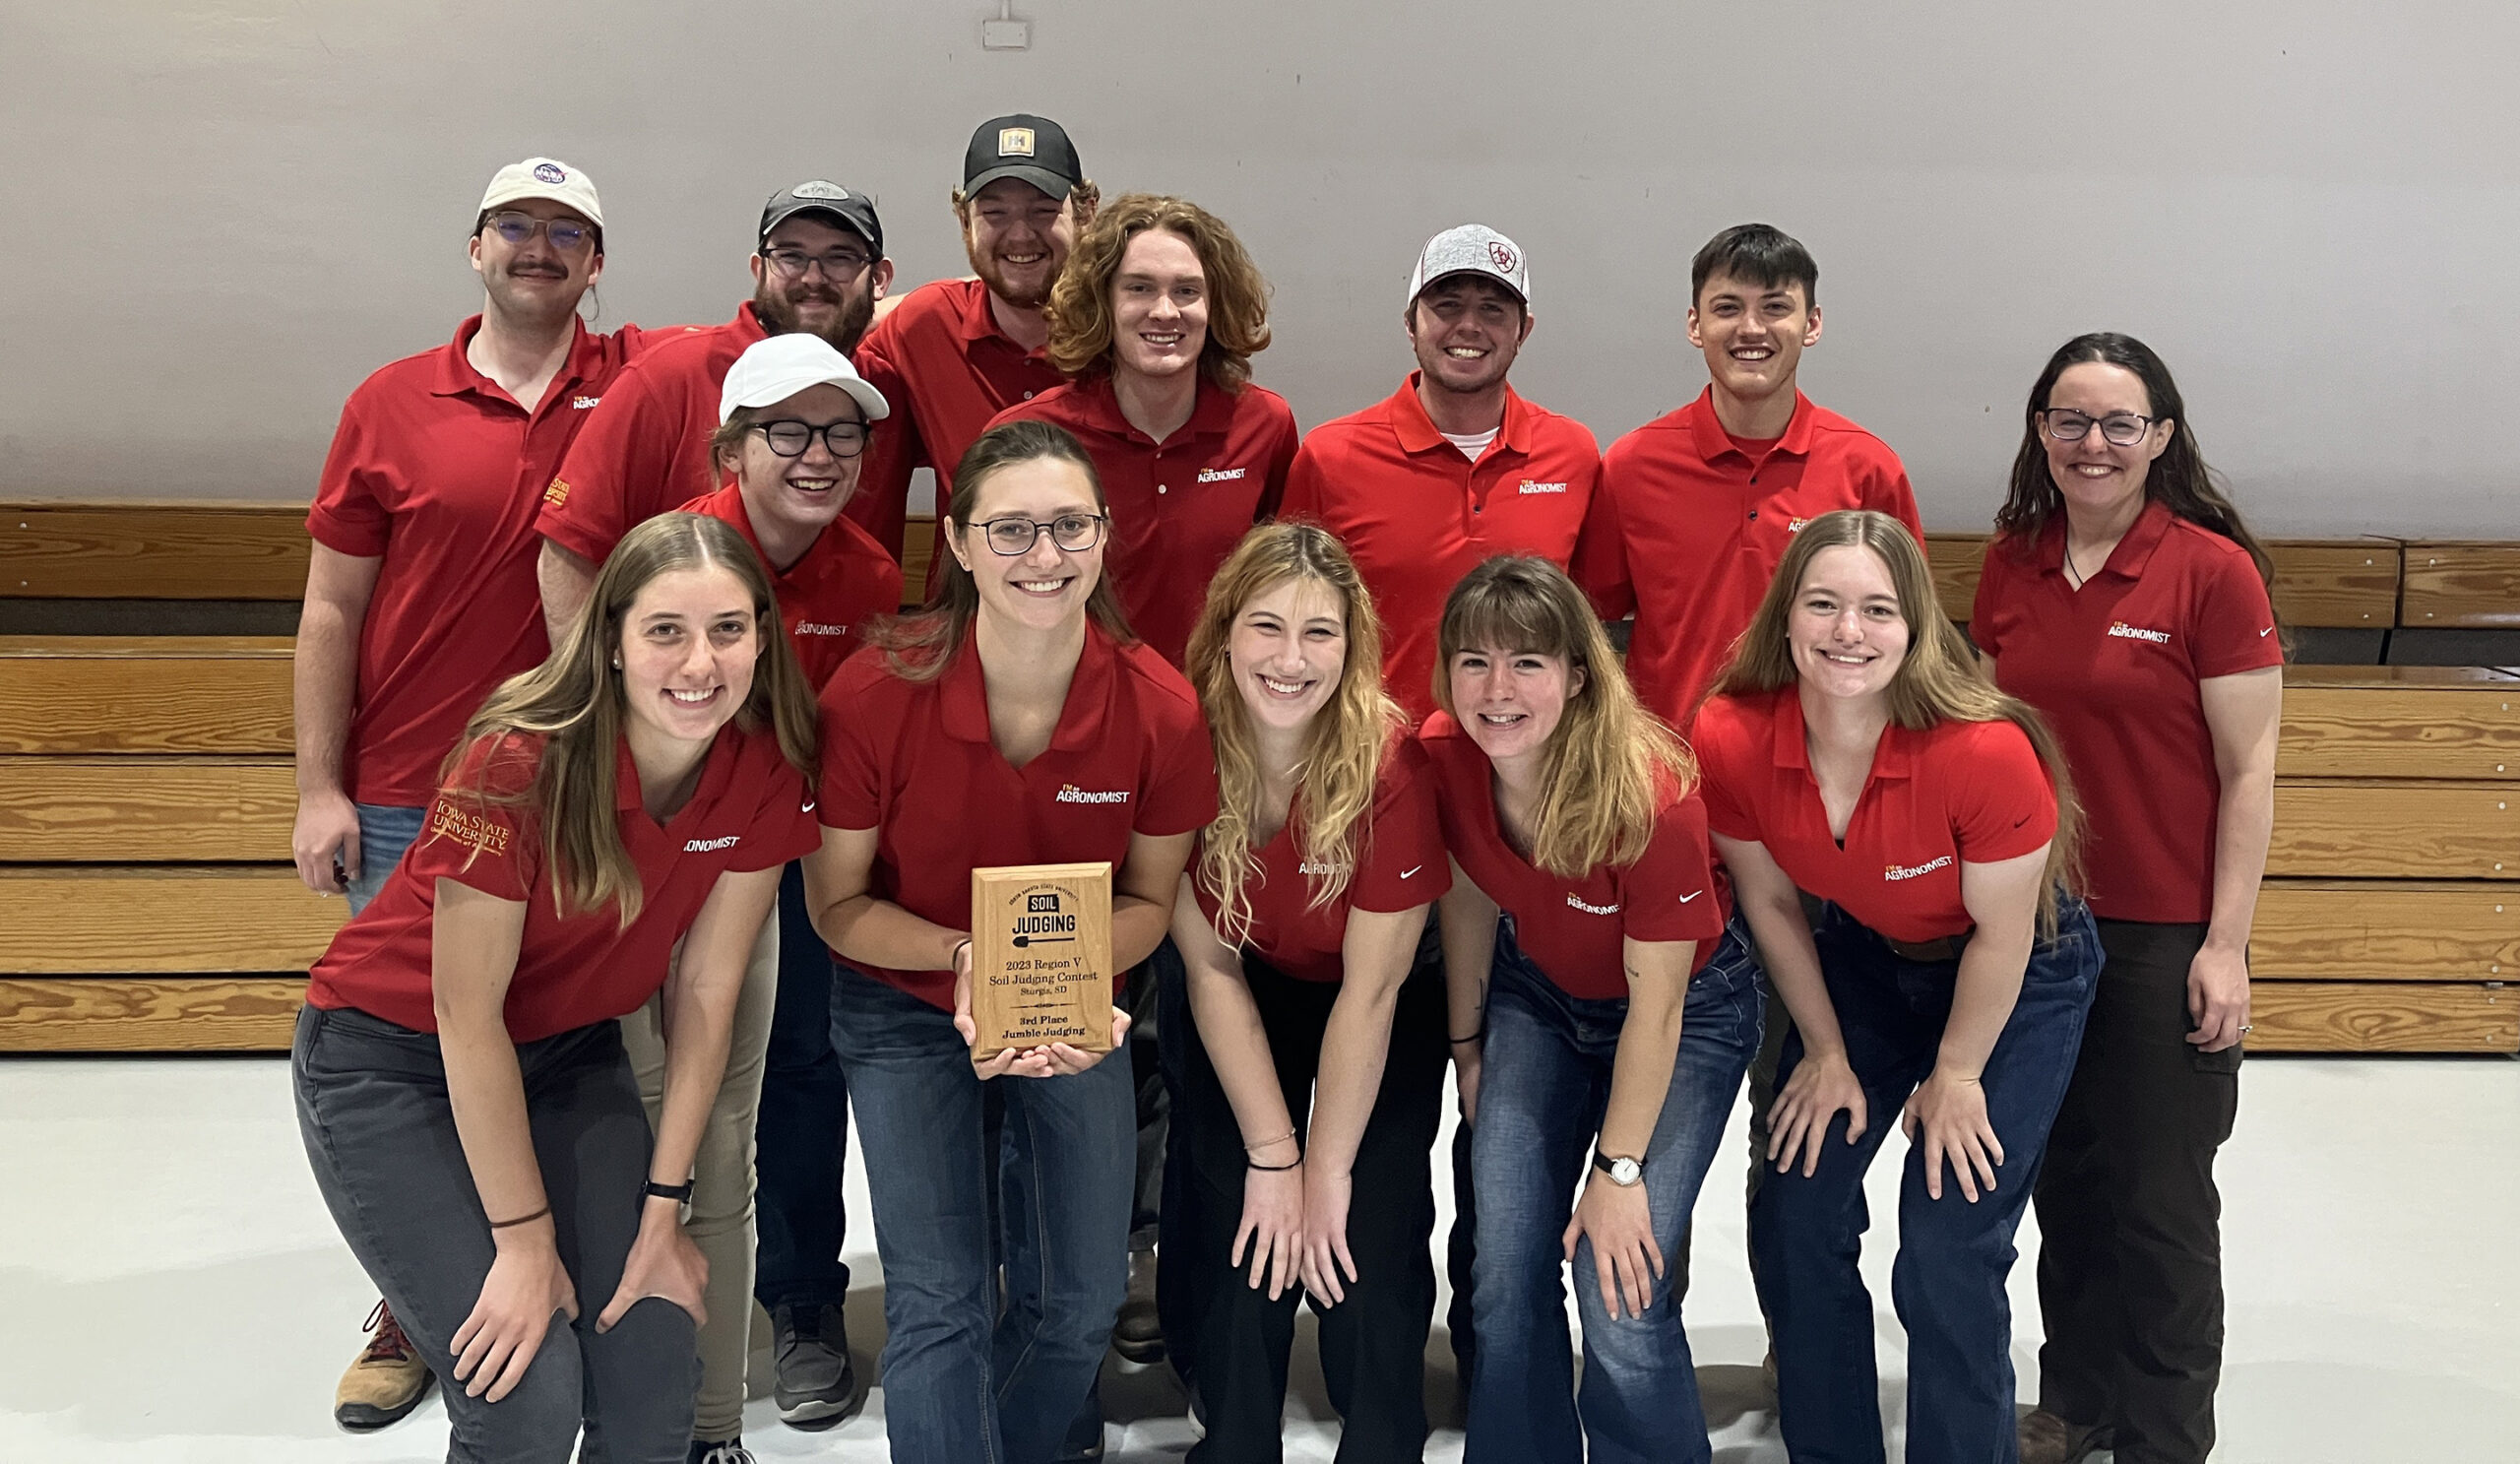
<point x="826" y="598"/>
<point x="1957" y="793"/>
<point x="1688" y="529"/>
<point x="439" y="472"/>
<point x="945" y="369"/>
<point x="914" y="760"/>
<point x="1177" y="510"/>
<point x="2114" y="668"/>
<point x="750" y="811"/>
<point x="1418" y="515"/>
<point x="1400" y="864"/>
<point x="1571" y="929"/>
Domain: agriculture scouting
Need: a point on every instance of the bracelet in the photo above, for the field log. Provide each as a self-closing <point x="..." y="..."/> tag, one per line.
<point x="520" y="1218"/>
<point x="1265" y="1143"/>
<point x="1273" y="1169"/>
<point x="960" y="946"/>
<point x="1479" y="1036"/>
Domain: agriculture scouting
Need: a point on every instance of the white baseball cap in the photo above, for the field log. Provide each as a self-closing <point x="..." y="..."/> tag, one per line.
<point x="544" y="178"/>
<point x="1472" y="249"/>
<point x="778" y="368"/>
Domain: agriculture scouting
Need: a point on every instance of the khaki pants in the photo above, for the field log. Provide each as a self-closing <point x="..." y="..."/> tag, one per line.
<point x="720" y="1221"/>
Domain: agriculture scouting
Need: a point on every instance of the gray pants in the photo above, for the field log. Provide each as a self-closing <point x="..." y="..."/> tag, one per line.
<point x="372" y="1108"/>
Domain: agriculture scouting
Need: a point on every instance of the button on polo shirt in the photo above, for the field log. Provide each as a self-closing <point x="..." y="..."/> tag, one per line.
<point x="1956" y="792"/>
<point x="826" y="598"/>
<point x="2114" y="667"/>
<point x="749" y="812"/>
<point x="1571" y="929"/>
<point x="914" y="761"/>
<point x="1418" y="515"/>
<point x="1178" y="509"/>
<point x="1688" y="529"/>
<point x="1398" y="854"/>
<point x="439" y="473"/>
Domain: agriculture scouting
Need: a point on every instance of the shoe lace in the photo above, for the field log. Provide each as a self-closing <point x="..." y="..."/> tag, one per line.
<point x="733" y="1452"/>
<point x="390" y="1345"/>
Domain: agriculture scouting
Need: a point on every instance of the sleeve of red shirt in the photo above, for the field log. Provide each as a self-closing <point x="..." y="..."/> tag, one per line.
<point x="2234" y="629"/>
<point x="1720" y="737"/>
<point x="1286" y="443"/>
<point x="1600" y="564"/>
<point x="1181" y="795"/>
<point x="2001" y="806"/>
<point x="587" y="508"/>
<point x="1887" y="491"/>
<point x="851" y="792"/>
<point x="476" y="841"/>
<point x="1402" y="865"/>
<point x="1985" y="628"/>
<point x="347" y="517"/>
<point x="1301" y="500"/>
<point x="1668" y="894"/>
<point x="784" y="828"/>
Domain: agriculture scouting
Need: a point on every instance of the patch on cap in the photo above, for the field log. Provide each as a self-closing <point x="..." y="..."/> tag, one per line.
<point x="1504" y="254"/>
<point x="1015" y="141"/>
<point x="550" y="172"/>
<point x="819" y="189"/>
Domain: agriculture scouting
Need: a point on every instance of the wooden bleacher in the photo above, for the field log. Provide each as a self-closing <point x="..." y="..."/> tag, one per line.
<point x="147" y="902"/>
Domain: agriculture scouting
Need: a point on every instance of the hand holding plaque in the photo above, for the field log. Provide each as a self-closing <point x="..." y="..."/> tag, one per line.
<point x="1041" y="959"/>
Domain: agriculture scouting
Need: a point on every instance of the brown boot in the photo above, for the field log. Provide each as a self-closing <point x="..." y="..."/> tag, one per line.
<point x="388" y="1380"/>
<point x="2048" y="1440"/>
<point x="1139" y="1334"/>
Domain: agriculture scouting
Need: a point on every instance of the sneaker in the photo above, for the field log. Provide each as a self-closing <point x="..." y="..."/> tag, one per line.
<point x="2046" y="1439"/>
<point x="1138" y="1335"/>
<point x="817" y="1382"/>
<point x="733" y="1452"/>
<point x="388" y="1380"/>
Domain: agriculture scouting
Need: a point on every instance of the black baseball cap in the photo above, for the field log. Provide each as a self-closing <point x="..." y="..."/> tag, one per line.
<point x="854" y="211"/>
<point x="1032" y="149"/>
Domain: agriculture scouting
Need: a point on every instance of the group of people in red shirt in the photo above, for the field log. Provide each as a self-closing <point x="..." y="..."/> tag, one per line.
<point x="658" y="827"/>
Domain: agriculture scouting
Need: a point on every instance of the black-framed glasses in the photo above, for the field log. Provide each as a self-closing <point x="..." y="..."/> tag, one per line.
<point x="1072" y="531"/>
<point x="790" y="438"/>
<point x="840" y="267"/>
<point x="567" y="235"/>
<point x="2117" y="429"/>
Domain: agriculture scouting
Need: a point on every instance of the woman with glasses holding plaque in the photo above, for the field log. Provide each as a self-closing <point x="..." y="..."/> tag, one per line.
<point x="1307" y="1043"/>
<point x="1015" y="721"/>
<point x="2124" y="599"/>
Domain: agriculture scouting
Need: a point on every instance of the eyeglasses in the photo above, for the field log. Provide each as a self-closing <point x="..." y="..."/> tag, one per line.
<point x="840" y="267"/>
<point x="566" y="234"/>
<point x="1072" y="531"/>
<point x="790" y="438"/>
<point x="2118" y="429"/>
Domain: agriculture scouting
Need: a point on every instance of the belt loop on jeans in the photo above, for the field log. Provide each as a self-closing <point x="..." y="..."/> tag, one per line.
<point x="1927" y="952"/>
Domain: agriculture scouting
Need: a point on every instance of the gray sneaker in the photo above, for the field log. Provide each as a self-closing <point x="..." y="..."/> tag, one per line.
<point x="817" y="1384"/>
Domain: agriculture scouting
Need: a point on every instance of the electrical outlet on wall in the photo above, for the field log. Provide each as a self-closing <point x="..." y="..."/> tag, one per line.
<point x="1006" y="34"/>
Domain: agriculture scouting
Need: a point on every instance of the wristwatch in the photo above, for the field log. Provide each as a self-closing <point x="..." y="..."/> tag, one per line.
<point x="1625" y="1172"/>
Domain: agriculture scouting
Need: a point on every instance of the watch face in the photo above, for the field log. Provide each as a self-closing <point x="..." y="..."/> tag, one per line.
<point x="1626" y="1171"/>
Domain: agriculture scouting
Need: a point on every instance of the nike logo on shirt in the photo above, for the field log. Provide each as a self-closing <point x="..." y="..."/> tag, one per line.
<point x="1684" y="899"/>
<point x="1405" y="873"/>
<point x="2263" y="634"/>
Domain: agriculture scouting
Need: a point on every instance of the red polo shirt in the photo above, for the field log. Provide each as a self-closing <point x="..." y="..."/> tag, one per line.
<point x="1957" y="793"/>
<point x="1571" y="929"/>
<point x="1417" y="513"/>
<point x="1400" y="864"/>
<point x="914" y="761"/>
<point x="439" y="472"/>
<point x="1178" y="509"/>
<point x="2114" y="668"/>
<point x="1688" y="527"/>
<point x="750" y="811"/>
<point x="826" y="598"/>
<point x="945" y="369"/>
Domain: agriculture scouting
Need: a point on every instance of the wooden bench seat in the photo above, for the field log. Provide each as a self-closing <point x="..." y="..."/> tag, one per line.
<point x="2382" y="1017"/>
<point x="149" y="1014"/>
<point x="2400" y="722"/>
<point x="2464" y="585"/>
<point x="154" y="551"/>
<point x="189" y="919"/>
<point x="145" y="694"/>
<point x="145" y="810"/>
<point x="2320" y="582"/>
<point x="2384" y="930"/>
<point x="2371" y="829"/>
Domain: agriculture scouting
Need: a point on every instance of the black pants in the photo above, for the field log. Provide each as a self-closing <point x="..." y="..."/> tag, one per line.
<point x="1231" y="1339"/>
<point x="801" y="1144"/>
<point x="2130" y="1267"/>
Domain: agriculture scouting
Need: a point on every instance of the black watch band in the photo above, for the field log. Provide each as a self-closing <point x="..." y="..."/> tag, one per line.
<point x="680" y="1193"/>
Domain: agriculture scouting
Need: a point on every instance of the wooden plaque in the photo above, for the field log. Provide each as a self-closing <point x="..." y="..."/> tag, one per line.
<point x="1041" y="957"/>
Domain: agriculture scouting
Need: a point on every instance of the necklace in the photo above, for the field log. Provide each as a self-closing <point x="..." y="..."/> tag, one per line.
<point x="2073" y="576"/>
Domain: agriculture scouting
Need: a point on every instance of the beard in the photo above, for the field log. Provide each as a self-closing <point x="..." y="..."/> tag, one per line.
<point x="985" y="266"/>
<point x="781" y="310"/>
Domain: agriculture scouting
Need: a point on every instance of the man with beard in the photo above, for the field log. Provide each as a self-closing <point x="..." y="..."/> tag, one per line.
<point x="818" y="266"/>
<point x="956" y="353"/>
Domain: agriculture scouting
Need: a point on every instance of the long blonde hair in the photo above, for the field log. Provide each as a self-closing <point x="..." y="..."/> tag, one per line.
<point x="1344" y="749"/>
<point x="1611" y="765"/>
<point x="1937" y="680"/>
<point x="574" y="701"/>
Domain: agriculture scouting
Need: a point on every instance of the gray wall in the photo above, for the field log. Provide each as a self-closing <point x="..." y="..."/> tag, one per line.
<point x="219" y="215"/>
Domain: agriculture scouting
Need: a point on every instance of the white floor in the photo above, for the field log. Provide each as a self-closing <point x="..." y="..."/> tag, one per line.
<point x="171" y="1289"/>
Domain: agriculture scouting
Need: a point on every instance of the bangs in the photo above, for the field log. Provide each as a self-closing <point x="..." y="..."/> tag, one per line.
<point x="1501" y="614"/>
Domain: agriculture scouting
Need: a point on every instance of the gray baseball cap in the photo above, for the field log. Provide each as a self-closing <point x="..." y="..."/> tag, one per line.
<point x="1472" y="249"/>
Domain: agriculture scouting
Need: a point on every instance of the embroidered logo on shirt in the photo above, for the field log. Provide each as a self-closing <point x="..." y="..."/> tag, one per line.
<point x="1069" y="792"/>
<point x="2138" y="633"/>
<point x="1692" y="895"/>
<point x="1794" y="526"/>
<point x="1592" y="909"/>
<point x="816" y="627"/>
<point x="1529" y="486"/>
<point x="1405" y="873"/>
<point x="583" y="403"/>
<point x="1316" y="867"/>
<point x="1221" y="475"/>
<point x="557" y="494"/>
<point x="1896" y="872"/>
<point x="704" y="845"/>
<point x="2263" y="634"/>
<point x="472" y="830"/>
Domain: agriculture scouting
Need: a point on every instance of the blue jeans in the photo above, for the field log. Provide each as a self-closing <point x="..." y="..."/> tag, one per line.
<point x="802" y="1136"/>
<point x="1544" y="1086"/>
<point x="967" y="1380"/>
<point x="1948" y="1282"/>
<point x="384" y="832"/>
